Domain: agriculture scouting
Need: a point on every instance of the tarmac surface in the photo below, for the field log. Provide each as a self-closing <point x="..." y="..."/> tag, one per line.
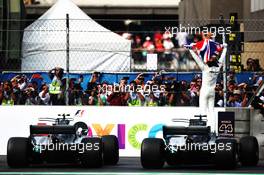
<point x="125" y="166"/>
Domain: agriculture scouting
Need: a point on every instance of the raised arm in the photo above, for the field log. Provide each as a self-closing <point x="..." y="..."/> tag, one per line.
<point x="223" y="55"/>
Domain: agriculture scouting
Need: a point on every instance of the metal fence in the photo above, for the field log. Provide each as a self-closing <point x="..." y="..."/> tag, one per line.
<point x="44" y="44"/>
<point x="118" y="46"/>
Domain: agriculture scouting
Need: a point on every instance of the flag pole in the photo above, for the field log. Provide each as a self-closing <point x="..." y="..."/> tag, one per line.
<point x="67" y="58"/>
<point x="225" y="68"/>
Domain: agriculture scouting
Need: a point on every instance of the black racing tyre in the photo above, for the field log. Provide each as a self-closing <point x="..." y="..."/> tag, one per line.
<point x="249" y="151"/>
<point x="92" y="153"/>
<point x="152" y="153"/>
<point x="18" y="152"/>
<point x="172" y="160"/>
<point x="226" y="154"/>
<point x="110" y="149"/>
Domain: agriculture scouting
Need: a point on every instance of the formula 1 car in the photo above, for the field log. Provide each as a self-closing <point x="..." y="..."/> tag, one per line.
<point x="62" y="143"/>
<point x="195" y="144"/>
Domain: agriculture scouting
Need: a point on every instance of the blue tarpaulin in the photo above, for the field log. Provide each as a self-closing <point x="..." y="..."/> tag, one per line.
<point x="116" y="77"/>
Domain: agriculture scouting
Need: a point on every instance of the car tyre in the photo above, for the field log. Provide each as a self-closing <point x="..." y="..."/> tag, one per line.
<point x="226" y="158"/>
<point x="152" y="153"/>
<point x="249" y="151"/>
<point x="110" y="149"/>
<point x="92" y="153"/>
<point x="18" y="152"/>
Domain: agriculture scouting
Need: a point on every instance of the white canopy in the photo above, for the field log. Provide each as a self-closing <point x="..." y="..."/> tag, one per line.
<point x="92" y="47"/>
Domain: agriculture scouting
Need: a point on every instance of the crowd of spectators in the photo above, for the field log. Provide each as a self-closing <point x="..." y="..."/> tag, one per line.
<point x="161" y="90"/>
<point x="169" y="49"/>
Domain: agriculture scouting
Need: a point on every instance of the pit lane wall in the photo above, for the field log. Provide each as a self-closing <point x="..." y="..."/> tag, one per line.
<point x="129" y="124"/>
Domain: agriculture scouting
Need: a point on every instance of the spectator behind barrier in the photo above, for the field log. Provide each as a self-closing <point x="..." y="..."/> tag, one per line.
<point x="7" y="97"/>
<point x="168" y="90"/>
<point x="57" y="87"/>
<point x="253" y="65"/>
<point x="44" y="95"/>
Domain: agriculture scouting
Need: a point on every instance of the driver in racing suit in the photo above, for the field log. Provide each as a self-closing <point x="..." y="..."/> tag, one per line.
<point x="210" y="71"/>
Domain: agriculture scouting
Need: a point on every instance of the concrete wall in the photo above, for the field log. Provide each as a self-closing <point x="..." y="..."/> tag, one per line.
<point x="253" y="22"/>
<point x="208" y="9"/>
<point x="242" y="121"/>
<point x="197" y="9"/>
<point x="114" y="7"/>
<point x="257" y="130"/>
<point x="256" y="5"/>
<point x="226" y="7"/>
<point x="194" y="12"/>
<point x="254" y="25"/>
<point x="120" y="3"/>
<point x="246" y="9"/>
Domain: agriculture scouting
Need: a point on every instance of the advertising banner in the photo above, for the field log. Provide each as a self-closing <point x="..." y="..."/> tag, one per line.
<point x="130" y="124"/>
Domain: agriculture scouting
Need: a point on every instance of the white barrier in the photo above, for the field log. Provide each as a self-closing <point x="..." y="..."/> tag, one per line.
<point x="130" y="124"/>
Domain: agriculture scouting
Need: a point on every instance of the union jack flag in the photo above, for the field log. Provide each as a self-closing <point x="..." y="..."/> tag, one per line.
<point x="207" y="48"/>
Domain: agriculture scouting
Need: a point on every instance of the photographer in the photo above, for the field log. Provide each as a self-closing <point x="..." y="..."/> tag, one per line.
<point x="118" y="99"/>
<point x="78" y="91"/>
<point x="20" y="81"/>
<point x="140" y="80"/>
<point x="31" y="97"/>
<point x="94" y="99"/>
<point x="93" y="82"/>
<point x="91" y="86"/>
<point x="219" y="95"/>
<point x="236" y="99"/>
<point x="44" y="95"/>
<point x="119" y="95"/>
<point x="103" y="94"/>
<point x="56" y="87"/>
<point x="7" y="96"/>
<point x="17" y="92"/>
<point x="151" y="100"/>
<point x="135" y="97"/>
<point x="179" y="95"/>
<point x="194" y="91"/>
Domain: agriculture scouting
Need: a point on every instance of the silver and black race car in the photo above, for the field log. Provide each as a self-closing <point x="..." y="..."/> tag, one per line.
<point x="62" y="143"/>
<point x="196" y="144"/>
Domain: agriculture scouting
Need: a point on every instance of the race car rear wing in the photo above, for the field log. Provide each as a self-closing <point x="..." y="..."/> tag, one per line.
<point x="181" y="130"/>
<point x="58" y="129"/>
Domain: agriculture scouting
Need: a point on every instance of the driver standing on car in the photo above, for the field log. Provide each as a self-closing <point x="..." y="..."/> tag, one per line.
<point x="210" y="70"/>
